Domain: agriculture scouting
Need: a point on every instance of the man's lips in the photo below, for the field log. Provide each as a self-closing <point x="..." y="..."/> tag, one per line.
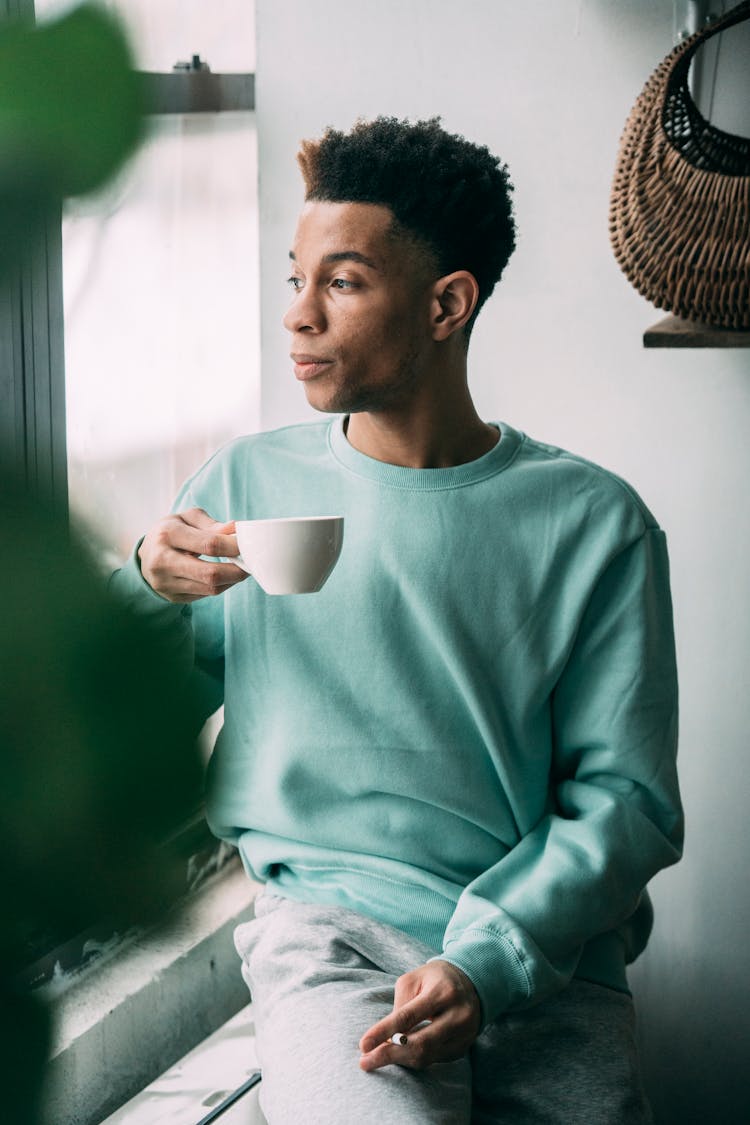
<point x="308" y="366"/>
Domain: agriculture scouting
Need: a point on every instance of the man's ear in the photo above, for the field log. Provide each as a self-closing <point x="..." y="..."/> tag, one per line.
<point x="454" y="300"/>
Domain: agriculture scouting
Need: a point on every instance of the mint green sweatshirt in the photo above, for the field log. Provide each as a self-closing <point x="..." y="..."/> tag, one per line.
<point x="470" y="732"/>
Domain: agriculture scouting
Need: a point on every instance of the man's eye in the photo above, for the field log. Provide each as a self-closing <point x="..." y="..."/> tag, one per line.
<point x="343" y="283"/>
<point x="295" y="283"/>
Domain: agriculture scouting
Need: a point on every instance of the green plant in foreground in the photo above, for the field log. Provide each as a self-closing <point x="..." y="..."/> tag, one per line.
<point x="97" y="727"/>
<point x="71" y="112"/>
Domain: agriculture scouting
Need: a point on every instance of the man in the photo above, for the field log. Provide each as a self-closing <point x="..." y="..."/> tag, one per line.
<point x="453" y="767"/>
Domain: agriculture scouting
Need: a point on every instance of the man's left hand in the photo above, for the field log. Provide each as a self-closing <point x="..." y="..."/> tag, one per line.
<point x="438" y="992"/>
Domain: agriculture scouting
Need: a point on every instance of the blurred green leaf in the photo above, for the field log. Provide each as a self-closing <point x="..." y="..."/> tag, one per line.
<point x="98" y="736"/>
<point x="71" y="112"/>
<point x="99" y="764"/>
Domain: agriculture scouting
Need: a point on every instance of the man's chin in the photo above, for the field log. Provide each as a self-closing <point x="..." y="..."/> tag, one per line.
<point x="320" y="403"/>
<point x="326" y="402"/>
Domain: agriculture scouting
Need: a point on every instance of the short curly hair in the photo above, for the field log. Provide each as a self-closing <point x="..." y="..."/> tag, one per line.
<point x="453" y="196"/>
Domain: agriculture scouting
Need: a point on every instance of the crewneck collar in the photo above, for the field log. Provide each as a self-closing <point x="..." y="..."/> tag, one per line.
<point x="399" y="476"/>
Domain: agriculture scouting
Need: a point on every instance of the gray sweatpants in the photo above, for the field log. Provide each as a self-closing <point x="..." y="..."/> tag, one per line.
<point x="321" y="976"/>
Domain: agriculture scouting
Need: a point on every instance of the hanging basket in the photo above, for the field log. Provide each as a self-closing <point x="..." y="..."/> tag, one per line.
<point x="680" y="203"/>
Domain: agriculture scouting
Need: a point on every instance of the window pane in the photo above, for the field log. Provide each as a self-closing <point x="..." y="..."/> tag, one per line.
<point x="161" y="291"/>
<point x="164" y="32"/>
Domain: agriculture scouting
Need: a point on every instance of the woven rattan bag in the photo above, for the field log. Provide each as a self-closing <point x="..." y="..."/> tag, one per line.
<point x="680" y="204"/>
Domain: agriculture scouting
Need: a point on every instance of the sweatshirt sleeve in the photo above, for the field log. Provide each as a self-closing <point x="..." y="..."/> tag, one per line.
<point x="193" y="633"/>
<point x="519" y="929"/>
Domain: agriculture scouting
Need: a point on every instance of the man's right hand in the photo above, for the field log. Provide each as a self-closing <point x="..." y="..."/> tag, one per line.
<point x="170" y="562"/>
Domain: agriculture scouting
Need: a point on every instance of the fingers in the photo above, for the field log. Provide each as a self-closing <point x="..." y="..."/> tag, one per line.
<point x="170" y="562"/>
<point x="402" y="1020"/>
<point x="411" y="1049"/>
<point x="195" y="531"/>
<point x="199" y="580"/>
<point x="410" y="1006"/>
<point x="443" y="1039"/>
<point x="437" y="1008"/>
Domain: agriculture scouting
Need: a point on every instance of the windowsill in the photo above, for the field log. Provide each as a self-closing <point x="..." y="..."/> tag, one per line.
<point x="213" y="1078"/>
<point x="121" y="1023"/>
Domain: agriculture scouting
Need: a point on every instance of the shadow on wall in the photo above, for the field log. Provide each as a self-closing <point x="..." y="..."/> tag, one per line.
<point x="696" y="1054"/>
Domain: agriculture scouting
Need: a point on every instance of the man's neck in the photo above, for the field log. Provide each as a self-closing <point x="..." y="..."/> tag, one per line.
<point x="438" y="436"/>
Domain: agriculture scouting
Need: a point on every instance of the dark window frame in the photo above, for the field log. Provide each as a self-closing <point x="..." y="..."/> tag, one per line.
<point x="32" y="358"/>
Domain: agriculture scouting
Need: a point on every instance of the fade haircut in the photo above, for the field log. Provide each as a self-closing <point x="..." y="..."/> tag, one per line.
<point x="452" y="196"/>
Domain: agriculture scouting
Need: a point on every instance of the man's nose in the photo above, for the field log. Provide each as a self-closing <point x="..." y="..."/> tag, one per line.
<point x="304" y="314"/>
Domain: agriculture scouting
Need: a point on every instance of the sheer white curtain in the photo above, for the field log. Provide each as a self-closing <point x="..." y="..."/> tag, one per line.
<point x="161" y="287"/>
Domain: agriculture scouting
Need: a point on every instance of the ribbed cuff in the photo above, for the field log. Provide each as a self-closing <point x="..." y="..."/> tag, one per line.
<point x="494" y="966"/>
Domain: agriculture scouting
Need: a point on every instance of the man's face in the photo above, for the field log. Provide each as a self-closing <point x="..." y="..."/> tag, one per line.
<point x="359" y="315"/>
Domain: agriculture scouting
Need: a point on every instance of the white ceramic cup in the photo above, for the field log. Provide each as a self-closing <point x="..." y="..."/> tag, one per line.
<point x="290" y="556"/>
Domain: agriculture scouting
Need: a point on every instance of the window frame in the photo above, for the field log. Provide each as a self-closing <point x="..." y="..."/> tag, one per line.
<point x="32" y="355"/>
<point x="32" y="336"/>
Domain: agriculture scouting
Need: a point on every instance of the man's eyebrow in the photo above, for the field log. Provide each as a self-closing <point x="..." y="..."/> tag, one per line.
<point x="343" y="256"/>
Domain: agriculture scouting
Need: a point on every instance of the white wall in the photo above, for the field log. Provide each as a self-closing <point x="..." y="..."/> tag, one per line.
<point x="558" y="352"/>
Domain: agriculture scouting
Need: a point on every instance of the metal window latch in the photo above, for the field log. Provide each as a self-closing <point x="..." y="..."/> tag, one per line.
<point x="196" y="63"/>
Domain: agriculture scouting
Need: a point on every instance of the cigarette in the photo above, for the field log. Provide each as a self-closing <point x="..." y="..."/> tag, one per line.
<point x="399" y="1039"/>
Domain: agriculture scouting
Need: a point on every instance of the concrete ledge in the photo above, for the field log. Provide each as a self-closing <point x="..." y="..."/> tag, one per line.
<point x="201" y="1082"/>
<point x="125" y="1021"/>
